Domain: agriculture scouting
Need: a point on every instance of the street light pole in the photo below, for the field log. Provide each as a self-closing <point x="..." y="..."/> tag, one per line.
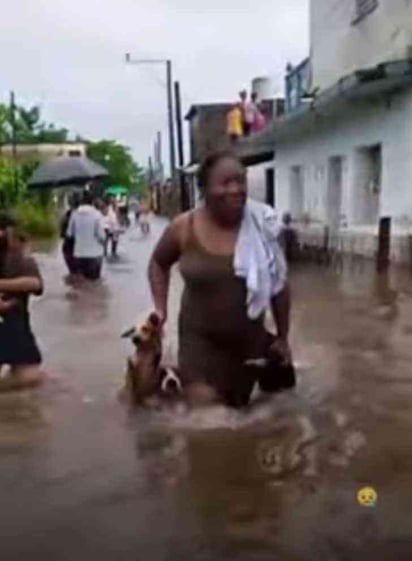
<point x="168" y="63"/>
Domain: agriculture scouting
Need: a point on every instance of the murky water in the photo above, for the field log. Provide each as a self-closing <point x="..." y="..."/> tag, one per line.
<point x="81" y="478"/>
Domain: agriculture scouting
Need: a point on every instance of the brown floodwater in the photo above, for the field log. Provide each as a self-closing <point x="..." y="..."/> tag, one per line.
<point x="81" y="478"/>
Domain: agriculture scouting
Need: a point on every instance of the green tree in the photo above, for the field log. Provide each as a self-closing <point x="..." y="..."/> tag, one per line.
<point x="118" y="160"/>
<point x="12" y="186"/>
<point x="29" y="126"/>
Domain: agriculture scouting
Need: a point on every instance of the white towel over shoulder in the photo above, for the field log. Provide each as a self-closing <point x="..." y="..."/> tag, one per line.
<point x="258" y="257"/>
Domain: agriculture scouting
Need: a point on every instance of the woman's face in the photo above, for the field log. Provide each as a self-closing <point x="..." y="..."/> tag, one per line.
<point x="226" y="192"/>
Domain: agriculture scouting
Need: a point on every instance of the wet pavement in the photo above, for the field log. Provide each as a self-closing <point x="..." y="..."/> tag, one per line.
<point x="81" y="478"/>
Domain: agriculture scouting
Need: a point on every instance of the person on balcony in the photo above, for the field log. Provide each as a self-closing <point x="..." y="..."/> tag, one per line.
<point x="248" y="112"/>
<point x="259" y="120"/>
<point x="234" y="123"/>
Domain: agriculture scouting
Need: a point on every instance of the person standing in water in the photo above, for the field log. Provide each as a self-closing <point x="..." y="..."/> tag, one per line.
<point x="68" y="242"/>
<point x="111" y="228"/>
<point x="19" y="279"/>
<point x="289" y="238"/>
<point x="221" y="323"/>
<point x="86" y="228"/>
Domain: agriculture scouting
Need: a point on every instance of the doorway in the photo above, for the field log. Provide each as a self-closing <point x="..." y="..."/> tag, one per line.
<point x="334" y="192"/>
<point x="297" y="192"/>
<point x="270" y="186"/>
<point x="368" y="185"/>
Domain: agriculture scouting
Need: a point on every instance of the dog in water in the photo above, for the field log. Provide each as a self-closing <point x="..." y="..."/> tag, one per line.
<point x="145" y="376"/>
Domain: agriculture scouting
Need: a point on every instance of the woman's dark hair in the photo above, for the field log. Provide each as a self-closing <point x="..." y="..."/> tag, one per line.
<point x="207" y="166"/>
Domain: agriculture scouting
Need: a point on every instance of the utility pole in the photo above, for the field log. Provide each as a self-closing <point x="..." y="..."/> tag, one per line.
<point x="179" y="129"/>
<point x="168" y="64"/>
<point x="13" y="137"/>
<point x="159" y="155"/>
<point x="150" y="166"/>
<point x="170" y="116"/>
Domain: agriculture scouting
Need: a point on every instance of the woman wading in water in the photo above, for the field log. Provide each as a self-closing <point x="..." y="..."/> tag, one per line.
<point x="221" y="321"/>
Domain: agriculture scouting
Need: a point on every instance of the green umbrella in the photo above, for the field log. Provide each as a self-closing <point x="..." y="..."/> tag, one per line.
<point x="116" y="190"/>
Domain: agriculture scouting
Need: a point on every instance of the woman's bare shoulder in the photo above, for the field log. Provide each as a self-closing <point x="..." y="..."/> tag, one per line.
<point x="180" y="226"/>
<point x="182" y="220"/>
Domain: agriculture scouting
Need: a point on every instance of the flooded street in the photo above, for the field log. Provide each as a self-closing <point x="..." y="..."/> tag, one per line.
<point x="81" y="478"/>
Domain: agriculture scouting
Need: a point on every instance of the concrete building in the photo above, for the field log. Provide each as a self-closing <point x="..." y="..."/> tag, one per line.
<point x="344" y="147"/>
<point x="43" y="151"/>
<point x="207" y="133"/>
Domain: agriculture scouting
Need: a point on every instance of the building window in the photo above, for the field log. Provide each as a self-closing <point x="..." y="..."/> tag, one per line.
<point x="364" y="8"/>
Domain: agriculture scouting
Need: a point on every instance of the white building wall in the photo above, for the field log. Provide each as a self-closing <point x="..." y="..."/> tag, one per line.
<point x="339" y="47"/>
<point x="357" y="126"/>
<point x="256" y="177"/>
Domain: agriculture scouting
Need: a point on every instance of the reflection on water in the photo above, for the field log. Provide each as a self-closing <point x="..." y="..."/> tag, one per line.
<point x="81" y="477"/>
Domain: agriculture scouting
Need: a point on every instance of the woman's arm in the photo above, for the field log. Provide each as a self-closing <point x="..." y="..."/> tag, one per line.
<point x="166" y="253"/>
<point x="22" y="285"/>
<point x="28" y="280"/>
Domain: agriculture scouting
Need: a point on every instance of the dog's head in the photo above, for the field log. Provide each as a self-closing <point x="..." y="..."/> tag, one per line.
<point x="146" y="335"/>
<point x="171" y="385"/>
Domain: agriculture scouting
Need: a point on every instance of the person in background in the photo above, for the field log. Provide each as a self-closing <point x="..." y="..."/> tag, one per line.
<point x="289" y="238"/>
<point x="248" y="111"/>
<point x="233" y="270"/>
<point x="19" y="279"/>
<point x="234" y="127"/>
<point x="86" y="228"/>
<point x="68" y="243"/>
<point x="123" y="209"/>
<point x="259" y="121"/>
<point x="112" y="229"/>
<point x="144" y="216"/>
<point x="135" y="208"/>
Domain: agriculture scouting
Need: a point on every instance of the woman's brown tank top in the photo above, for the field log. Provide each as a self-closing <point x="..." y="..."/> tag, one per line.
<point x="214" y="299"/>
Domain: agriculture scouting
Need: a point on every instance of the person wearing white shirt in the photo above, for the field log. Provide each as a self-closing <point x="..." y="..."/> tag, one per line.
<point x="87" y="229"/>
<point x="111" y="228"/>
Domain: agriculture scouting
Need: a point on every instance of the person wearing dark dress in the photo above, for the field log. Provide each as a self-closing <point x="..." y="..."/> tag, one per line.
<point x="19" y="279"/>
<point x="216" y="333"/>
<point x="68" y="242"/>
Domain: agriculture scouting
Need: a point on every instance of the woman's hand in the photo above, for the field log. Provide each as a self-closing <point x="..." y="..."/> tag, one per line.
<point x="281" y="349"/>
<point x="162" y="316"/>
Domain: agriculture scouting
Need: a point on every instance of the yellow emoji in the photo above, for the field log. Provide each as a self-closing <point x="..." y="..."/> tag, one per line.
<point x="367" y="497"/>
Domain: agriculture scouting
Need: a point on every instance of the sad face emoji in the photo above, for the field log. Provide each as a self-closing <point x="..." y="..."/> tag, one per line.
<point x="367" y="497"/>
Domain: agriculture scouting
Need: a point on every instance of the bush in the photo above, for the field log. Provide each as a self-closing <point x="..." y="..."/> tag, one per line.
<point x="36" y="220"/>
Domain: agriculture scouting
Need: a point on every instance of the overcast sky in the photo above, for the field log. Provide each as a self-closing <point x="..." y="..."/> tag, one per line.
<point x="68" y="56"/>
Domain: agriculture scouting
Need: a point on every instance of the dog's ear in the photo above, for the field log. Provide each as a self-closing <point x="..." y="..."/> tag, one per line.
<point x="127" y="334"/>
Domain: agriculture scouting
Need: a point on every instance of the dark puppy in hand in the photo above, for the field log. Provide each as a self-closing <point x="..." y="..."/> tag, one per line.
<point x="145" y="376"/>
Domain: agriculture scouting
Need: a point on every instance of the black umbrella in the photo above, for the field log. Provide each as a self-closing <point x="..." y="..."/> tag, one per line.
<point x="65" y="171"/>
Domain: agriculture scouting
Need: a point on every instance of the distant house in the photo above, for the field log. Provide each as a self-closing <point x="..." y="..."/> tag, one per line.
<point x="344" y="147"/>
<point x="207" y="129"/>
<point x="207" y="133"/>
<point x="43" y="151"/>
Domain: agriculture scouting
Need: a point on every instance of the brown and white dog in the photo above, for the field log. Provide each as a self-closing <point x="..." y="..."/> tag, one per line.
<point x="145" y="376"/>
